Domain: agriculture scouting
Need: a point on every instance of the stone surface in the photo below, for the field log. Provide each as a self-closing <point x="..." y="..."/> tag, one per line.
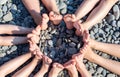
<point x="8" y="17"/>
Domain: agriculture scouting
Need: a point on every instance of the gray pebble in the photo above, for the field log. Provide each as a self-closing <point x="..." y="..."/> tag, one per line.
<point x="52" y="54"/>
<point x="110" y="75"/>
<point x="72" y="44"/>
<point x="14" y="7"/>
<point x="116" y="12"/>
<point x="8" y="17"/>
<point x="63" y="11"/>
<point x="62" y="5"/>
<point x="50" y="42"/>
<point x="74" y="40"/>
<point x="110" y="18"/>
<point x="92" y="71"/>
<point x="14" y="48"/>
<point x="1" y="14"/>
<point x="2" y="54"/>
<point x="99" y="70"/>
<point x="104" y="73"/>
<point x="3" y="1"/>
<point x="118" y="23"/>
<point x="72" y="51"/>
<point x="113" y="23"/>
<point x="4" y="9"/>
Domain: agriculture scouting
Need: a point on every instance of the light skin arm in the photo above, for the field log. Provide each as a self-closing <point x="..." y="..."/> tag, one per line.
<point x="111" y="65"/>
<point x="51" y="5"/>
<point x="25" y="71"/>
<point x="83" y="8"/>
<point x="12" y="40"/>
<point x="13" y="29"/>
<point x="12" y="65"/>
<point x="99" y="13"/>
<point x="33" y="6"/>
<point x="112" y="49"/>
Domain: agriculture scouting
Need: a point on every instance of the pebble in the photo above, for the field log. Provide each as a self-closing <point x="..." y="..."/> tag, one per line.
<point x="1" y="14"/>
<point x="63" y="11"/>
<point x="99" y="70"/>
<point x="74" y="39"/>
<point x="110" y="75"/>
<point x="4" y="9"/>
<point x="72" y="44"/>
<point x="14" y="7"/>
<point x="52" y="54"/>
<point x="110" y="18"/>
<point x="104" y="72"/>
<point x="113" y="23"/>
<point x="118" y="23"/>
<point x="50" y="42"/>
<point x="8" y="17"/>
<point x="14" y="48"/>
<point x="116" y="11"/>
<point x="3" y="1"/>
<point x="72" y="51"/>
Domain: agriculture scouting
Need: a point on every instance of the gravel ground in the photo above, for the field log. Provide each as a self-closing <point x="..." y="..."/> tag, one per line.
<point x="58" y="42"/>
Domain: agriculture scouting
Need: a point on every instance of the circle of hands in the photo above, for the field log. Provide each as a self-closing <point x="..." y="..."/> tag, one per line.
<point x="76" y="63"/>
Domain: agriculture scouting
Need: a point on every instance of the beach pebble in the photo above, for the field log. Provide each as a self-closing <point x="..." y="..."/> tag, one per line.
<point x="110" y="75"/>
<point x="3" y="1"/>
<point x="116" y="11"/>
<point x="8" y="17"/>
<point x="110" y="18"/>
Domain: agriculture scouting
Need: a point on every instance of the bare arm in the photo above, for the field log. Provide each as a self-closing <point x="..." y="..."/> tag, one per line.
<point x="11" y="65"/>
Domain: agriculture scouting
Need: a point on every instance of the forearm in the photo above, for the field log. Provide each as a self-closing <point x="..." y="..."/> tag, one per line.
<point x="99" y="12"/>
<point x="111" y="65"/>
<point x="83" y="8"/>
<point x="11" y="40"/>
<point x="13" y="29"/>
<point x="112" y="49"/>
<point x="11" y="65"/>
<point x="25" y="71"/>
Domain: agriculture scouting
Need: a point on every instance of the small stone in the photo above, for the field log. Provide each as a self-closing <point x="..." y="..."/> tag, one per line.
<point x="118" y="23"/>
<point x="113" y="23"/>
<point x="74" y="40"/>
<point x="52" y="54"/>
<point x="70" y="8"/>
<point x="8" y="17"/>
<point x="3" y="1"/>
<point x="110" y="18"/>
<point x="92" y="71"/>
<point x="4" y="9"/>
<point x="116" y="11"/>
<point x="72" y="44"/>
<point x="1" y="14"/>
<point x="59" y="42"/>
<point x="104" y="72"/>
<point x="14" y="48"/>
<point x="110" y="75"/>
<point x="50" y="42"/>
<point x="72" y="51"/>
<point x="99" y="70"/>
<point x="14" y="7"/>
<point x="62" y="5"/>
<point x="5" y="48"/>
<point x="2" y="54"/>
<point x="63" y="11"/>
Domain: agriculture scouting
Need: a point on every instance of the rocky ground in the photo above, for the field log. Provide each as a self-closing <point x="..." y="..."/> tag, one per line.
<point x="58" y="42"/>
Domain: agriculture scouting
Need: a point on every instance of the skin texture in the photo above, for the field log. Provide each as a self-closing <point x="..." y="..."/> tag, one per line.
<point x="33" y="7"/>
<point x="13" y="64"/>
<point x="111" y="65"/>
<point x="94" y="17"/>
